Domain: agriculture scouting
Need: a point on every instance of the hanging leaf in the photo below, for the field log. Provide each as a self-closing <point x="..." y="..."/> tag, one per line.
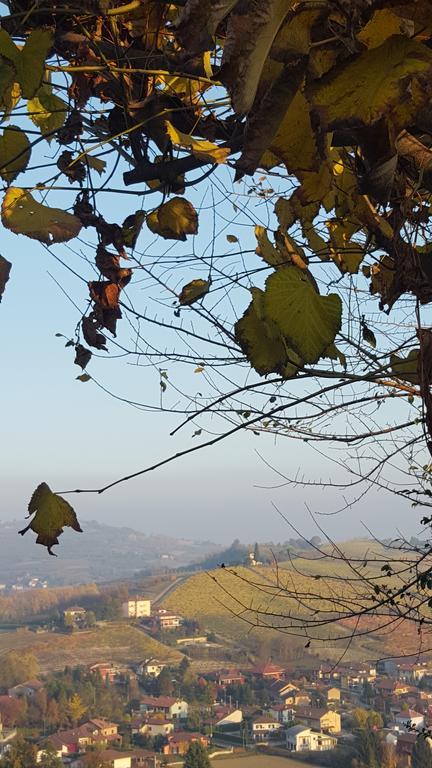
<point x="307" y="320"/>
<point x="5" y="268"/>
<point x="96" y="163"/>
<point x="131" y="228"/>
<point x="52" y="514"/>
<point x="82" y="356"/>
<point x="22" y="214"/>
<point x="105" y="293"/>
<point x="193" y="291"/>
<point x="84" y="377"/>
<point x="47" y="111"/>
<point x="406" y="368"/>
<point x="368" y="335"/>
<point x="268" y="252"/>
<point x="261" y="342"/>
<point x="15" y="151"/>
<point x="199" y="147"/>
<point x="174" y="220"/>
<point x="232" y="238"/>
<point x="90" y="328"/>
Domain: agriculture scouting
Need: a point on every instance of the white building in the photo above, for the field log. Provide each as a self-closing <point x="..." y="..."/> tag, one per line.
<point x="299" y="739"/>
<point x="136" y="607"/>
<point x="151" y="667"/>
<point x="265" y="727"/>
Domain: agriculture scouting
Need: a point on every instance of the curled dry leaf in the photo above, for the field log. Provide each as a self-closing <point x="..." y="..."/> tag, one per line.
<point x="193" y="291"/>
<point x="90" y="328"/>
<point x="104" y="293"/>
<point x="82" y="356"/>
<point x="5" y="268"/>
<point x="52" y="514"/>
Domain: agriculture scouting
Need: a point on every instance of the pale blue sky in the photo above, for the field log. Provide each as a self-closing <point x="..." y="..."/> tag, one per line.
<point x="69" y="434"/>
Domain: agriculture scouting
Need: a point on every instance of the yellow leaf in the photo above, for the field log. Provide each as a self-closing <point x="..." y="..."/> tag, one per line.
<point x="200" y="147"/>
<point x="174" y="220"/>
<point x="346" y="253"/>
<point x="382" y="24"/>
<point x="47" y="111"/>
<point x="294" y="143"/>
<point x="22" y="214"/>
<point x="51" y="513"/>
<point x="15" y="151"/>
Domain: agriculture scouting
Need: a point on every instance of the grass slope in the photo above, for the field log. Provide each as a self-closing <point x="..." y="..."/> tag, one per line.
<point x="111" y="642"/>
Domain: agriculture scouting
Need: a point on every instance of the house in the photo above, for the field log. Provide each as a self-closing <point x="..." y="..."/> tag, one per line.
<point x="299" y="739"/>
<point x="107" y="670"/>
<point x="136" y="607"/>
<point x="282" y="712"/>
<point x="268" y="672"/>
<point x="172" y="708"/>
<point x="410" y="719"/>
<point x="404" y="747"/>
<point x="74" y="614"/>
<point x="107" y="757"/>
<point x="151" y="667"/>
<point x="153" y="726"/>
<point x="225" y="719"/>
<point x="333" y="694"/>
<point x="319" y="719"/>
<point x="179" y="742"/>
<point x="410" y="672"/>
<point x="95" y="733"/>
<point x="265" y="727"/>
<point x="29" y="688"/>
<point x="167" y="621"/>
<point x="229" y="677"/>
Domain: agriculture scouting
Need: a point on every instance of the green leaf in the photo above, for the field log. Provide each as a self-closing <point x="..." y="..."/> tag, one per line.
<point x="22" y="214"/>
<point x="31" y="62"/>
<point x="5" y="268"/>
<point x="51" y="513"/>
<point x="307" y="320"/>
<point x="268" y="252"/>
<point x="193" y="291"/>
<point x="261" y="342"/>
<point x="174" y="220"/>
<point x="15" y="151"/>
<point x="47" y="111"/>
<point x="406" y="368"/>
<point x="379" y="82"/>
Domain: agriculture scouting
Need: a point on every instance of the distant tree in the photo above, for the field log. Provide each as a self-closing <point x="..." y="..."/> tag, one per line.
<point x="257" y="554"/>
<point x="165" y="684"/>
<point x="76" y="708"/>
<point x="16" y="668"/>
<point x="183" y="666"/>
<point x="369" y="748"/>
<point x="388" y="755"/>
<point x="368" y="692"/>
<point x="52" y="714"/>
<point x="422" y="753"/>
<point x="49" y="759"/>
<point x="21" y="754"/>
<point x="196" y="756"/>
<point x="90" y="619"/>
<point x="159" y="742"/>
<point x="12" y="711"/>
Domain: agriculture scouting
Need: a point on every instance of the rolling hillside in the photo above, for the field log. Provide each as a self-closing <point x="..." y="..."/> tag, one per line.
<point x="111" y="642"/>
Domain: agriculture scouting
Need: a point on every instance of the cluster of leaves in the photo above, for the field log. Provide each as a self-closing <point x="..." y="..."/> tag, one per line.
<point x="332" y="95"/>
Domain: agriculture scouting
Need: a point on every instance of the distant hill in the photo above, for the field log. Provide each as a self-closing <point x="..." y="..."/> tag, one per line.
<point x="101" y="553"/>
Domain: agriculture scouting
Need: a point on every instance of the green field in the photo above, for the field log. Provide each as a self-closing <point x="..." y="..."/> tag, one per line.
<point x="113" y="641"/>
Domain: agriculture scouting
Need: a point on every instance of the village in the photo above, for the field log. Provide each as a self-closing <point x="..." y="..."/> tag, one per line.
<point x="149" y="713"/>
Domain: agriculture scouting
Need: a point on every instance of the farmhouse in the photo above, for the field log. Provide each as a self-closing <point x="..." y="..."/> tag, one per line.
<point x="170" y="707"/>
<point x="265" y="727"/>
